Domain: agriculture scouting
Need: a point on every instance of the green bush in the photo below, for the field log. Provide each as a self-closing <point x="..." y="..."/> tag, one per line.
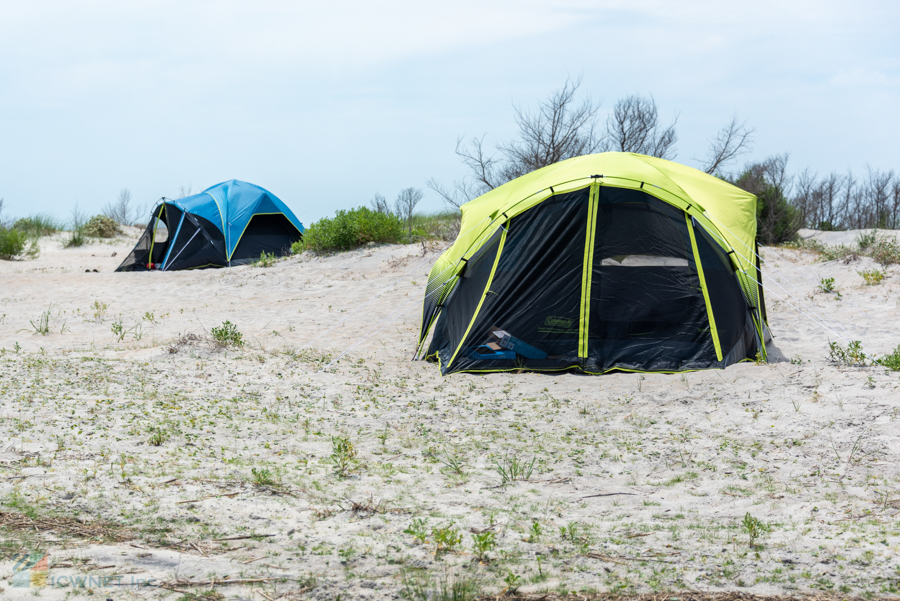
<point x="352" y="229"/>
<point x="16" y="244"/>
<point x="38" y="225"/>
<point x="885" y="251"/>
<point x="227" y="335"/>
<point x="891" y="361"/>
<point x="101" y="226"/>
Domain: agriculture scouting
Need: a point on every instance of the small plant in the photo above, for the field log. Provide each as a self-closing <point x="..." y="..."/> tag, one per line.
<point x="873" y="277"/>
<point x="265" y="260"/>
<point x="452" y="461"/>
<point x="446" y="538"/>
<point x="417" y="529"/>
<point x="753" y="527"/>
<point x="99" y="310"/>
<point x="262" y="477"/>
<point x="569" y="532"/>
<point x="534" y="533"/>
<point x="512" y="581"/>
<point x="512" y="468"/>
<point x="227" y="335"/>
<point x="383" y="436"/>
<point x="157" y="437"/>
<point x="865" y="241"/>
<point x="343" y="455"/>
<point x="297" y="247"/>
<point x="827" y="285"/>
<point x="42" y="326"/>
<point x="482" y="543"/>
<point x="77" y="236"/>
<point x="851" y="355"/>
<point x="118" y="330"/>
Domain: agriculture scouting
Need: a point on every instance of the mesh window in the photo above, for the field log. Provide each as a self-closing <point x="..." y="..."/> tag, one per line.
<point x="647" y="309"/>
<point x="139" y="257"/>
<point x="535" y="298"/>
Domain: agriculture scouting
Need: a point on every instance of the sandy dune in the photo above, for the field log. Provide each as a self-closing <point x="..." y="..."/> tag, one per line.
<point x="190" y="464"/>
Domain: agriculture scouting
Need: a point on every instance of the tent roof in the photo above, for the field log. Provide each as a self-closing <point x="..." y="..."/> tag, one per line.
<point x="230" y="206"/>
<point x="726" y="210"/>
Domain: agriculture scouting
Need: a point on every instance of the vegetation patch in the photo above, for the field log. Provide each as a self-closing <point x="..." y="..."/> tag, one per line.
<point x="101" y="226"/>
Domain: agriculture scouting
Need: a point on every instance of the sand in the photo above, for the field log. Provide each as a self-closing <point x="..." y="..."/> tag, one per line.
<point x="196" y="468"/>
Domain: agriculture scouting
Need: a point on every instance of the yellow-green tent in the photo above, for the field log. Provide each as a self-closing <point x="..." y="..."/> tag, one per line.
<point x="612" y="261"/>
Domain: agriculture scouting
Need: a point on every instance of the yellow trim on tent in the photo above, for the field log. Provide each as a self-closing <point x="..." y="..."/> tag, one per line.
<point x="483" y="296"/>
<point x="587" y="272"/>
<point x="709" y="311"/>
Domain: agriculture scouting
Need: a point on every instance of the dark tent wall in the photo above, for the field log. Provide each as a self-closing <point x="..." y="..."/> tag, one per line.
<point x="272" y="234"/>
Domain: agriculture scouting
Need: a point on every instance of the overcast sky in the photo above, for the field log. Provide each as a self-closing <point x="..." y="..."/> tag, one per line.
<point x="327" y="103"/>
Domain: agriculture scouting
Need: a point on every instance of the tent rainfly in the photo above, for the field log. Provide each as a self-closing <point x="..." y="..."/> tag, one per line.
<point x="231" y="223"/>
<point x="612" y="261"/>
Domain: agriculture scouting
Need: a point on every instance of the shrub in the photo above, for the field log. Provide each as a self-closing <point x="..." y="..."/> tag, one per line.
<point x="101" y="226"/>
<point x="852" y="355"/>
<point x="227" y="335"/>
<point x="892" y="361"/>
<point x="15" y="244"/>
<point x="38" y="225"/>
<point x="871" y="276"/>
<point x="885" y="251"/>
<point x="351" y="229"/>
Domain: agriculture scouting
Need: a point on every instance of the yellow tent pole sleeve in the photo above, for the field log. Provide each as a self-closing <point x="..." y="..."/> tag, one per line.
<point x="709" y="311"/>
<point x="155" y="227"/>
<point x="587" y="273"/>
<point x="483" y="295"/>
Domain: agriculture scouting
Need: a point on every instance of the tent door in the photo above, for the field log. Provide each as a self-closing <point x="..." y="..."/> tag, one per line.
<point x="172" y="242"/>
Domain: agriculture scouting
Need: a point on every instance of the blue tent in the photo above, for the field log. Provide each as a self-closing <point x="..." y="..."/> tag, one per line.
<point x="231" y="223"/>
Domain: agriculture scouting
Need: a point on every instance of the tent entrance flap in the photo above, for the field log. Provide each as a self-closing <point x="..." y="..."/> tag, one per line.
<point x="647" y="306"/>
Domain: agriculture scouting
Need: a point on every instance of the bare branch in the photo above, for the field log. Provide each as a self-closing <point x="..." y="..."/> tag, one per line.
<point x="556" y="131"/>
<point x="730" y="142"/>
<point x="120" y="211"/>
<point x="461" y="193"/>
<point x="634" y="127"/>
<point x="406" y="203"/>
<point x="379" y="204"/>
<point x="481" y="166"/>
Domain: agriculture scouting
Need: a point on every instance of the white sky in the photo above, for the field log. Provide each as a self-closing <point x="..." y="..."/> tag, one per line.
<point x="326" y="104"/>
